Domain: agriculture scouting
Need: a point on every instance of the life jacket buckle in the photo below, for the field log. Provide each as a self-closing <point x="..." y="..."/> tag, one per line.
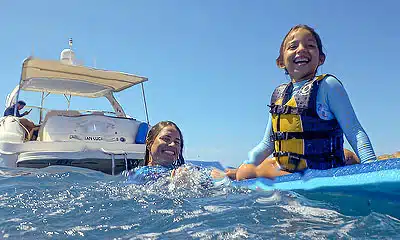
<point x="273" y="108"/>
<point x="279" y="136"/>
<point x="293" y="156"/>
<point x="296" y="160"/>
<point x="286" y="109"/>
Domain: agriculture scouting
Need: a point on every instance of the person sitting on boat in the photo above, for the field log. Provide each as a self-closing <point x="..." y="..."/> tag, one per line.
<point x="14" y="109"/>
<point x="19" y="105"/>
<point x="308" y="116"/>
<point x="164" y="146"/>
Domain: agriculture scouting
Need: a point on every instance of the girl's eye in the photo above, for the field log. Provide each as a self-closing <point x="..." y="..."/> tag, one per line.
<point x="292" y="46"/>
<point x="312" y="46"/>
<point x="166" y="139"/>
<point x="177" y="142"/>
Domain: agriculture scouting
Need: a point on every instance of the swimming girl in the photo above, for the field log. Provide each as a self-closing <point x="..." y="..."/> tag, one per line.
<point x="164" y="145"/>
<point x="308" y="116"/>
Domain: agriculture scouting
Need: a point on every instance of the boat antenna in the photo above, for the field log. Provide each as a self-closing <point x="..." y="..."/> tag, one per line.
<point x="70" y="48"/>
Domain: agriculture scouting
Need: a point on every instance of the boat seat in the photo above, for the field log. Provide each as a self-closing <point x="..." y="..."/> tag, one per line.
<point x="51" y="113"/>
<point x="68" y="113"/>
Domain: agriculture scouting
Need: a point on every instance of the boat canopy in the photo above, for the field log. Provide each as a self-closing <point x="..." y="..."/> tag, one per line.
<point x="60" y="78"/>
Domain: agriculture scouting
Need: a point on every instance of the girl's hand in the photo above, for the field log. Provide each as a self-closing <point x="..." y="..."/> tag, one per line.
<point x="231" y="173"/>
<point x="246" y="171"/>
<point x="217" y="174"/>
<point x="179" y="171"/>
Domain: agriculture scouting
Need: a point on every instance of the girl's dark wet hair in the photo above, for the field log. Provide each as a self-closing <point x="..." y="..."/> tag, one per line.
<point x="151" y="136"/>
<point x="300" y="26"/>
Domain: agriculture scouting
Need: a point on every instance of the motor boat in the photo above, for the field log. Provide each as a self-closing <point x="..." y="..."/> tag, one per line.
<point x="106" y="141"/>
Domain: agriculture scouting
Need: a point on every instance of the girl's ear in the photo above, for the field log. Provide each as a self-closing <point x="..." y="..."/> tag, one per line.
<point x="280" y="63"/>
<point x="321" y="60"/>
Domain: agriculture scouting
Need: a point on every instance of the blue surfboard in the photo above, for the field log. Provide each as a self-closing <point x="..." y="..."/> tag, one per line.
<point x="355" y="189"/>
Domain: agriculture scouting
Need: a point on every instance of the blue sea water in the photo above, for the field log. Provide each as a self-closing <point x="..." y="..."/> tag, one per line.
<point x="74" y="203"/>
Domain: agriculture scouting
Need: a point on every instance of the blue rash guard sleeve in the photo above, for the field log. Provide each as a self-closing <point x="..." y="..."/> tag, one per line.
<point x="332" y="102"/>
<point x="335" y="96"/>
<point x="264" y="148"/>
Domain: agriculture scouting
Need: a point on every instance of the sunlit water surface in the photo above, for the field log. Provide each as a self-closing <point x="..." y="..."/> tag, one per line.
<point x="72" y="203"/>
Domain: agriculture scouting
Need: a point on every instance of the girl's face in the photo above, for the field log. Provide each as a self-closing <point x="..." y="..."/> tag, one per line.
<point x="301" y="56"/>
<point x="166" y="147"/>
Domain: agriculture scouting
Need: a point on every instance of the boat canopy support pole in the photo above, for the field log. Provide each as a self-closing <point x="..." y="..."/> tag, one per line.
<point x="41" y="106"/>
<point x="68" y="100"/>
<point x="145" y="104"/>
<point x="19" y="89"/>
<point x="116" y="106"/>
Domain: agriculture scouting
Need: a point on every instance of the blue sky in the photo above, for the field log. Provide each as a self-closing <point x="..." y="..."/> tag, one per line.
<point x="211" y="63"/>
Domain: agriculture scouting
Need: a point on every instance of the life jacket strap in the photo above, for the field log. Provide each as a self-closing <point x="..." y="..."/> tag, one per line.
<point x="293" y="159"/>
<point x="285" y="109"/>
<point x="321" y="161"/>
<point x="279" y="136"/>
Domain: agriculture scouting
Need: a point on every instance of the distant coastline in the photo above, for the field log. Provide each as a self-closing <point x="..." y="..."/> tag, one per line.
<point x="389" y="156"/>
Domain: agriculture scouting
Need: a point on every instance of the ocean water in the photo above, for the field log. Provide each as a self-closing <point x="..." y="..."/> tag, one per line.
<point x="73" y="203"/>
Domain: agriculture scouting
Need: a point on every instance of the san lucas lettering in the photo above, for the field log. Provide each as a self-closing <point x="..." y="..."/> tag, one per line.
<point x="93" y="138"/>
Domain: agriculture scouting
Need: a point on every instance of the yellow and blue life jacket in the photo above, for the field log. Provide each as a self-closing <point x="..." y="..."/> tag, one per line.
<point x="302" y="139"/>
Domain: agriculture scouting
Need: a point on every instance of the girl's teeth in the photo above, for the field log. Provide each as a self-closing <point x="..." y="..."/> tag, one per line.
<point x="297" y="60"/>
<point x="169" y="152"/>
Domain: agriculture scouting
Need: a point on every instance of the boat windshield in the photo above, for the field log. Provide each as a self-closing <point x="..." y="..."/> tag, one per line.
<point x="99" y="106"/>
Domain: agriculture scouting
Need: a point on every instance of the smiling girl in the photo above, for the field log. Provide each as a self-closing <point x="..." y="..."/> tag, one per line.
<point x="164" y="146"/>
<point x="308" y="115"/>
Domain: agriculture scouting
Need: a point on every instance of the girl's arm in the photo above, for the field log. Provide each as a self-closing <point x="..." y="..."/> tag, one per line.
<point x="340" y="106"/>
<point x="256" y="155"/>
<point x="264" y="148"/>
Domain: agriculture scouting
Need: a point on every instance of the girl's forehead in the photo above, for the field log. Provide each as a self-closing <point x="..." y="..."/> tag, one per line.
<point x="168" y="130"/>
<point x="300" y="34"/>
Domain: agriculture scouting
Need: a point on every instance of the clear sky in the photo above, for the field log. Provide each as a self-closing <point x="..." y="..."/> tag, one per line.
<point x="211" y="63"/>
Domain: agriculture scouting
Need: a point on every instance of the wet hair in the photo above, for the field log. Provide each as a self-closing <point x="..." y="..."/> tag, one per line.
<point x="300" y="26"/>
<point x="151" y="136"/>
<point x="20" y="102"/>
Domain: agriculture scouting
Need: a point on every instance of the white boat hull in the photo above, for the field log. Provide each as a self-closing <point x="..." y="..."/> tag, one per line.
<point x="96" y="142"/>
<point x="108" y="158"/>
<point x="95" y="160"/>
